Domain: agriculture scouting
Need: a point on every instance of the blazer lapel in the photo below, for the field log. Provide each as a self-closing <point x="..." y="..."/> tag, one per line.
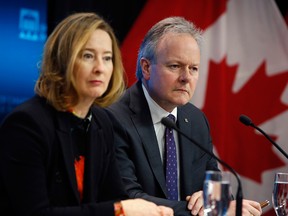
<point x="188" y="151"/>
<point x="65" y="143"/>
<point x="94" y="160"/>
<point x="142" y="119"/>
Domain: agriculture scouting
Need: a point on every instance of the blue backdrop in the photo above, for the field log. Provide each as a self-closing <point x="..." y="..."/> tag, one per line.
<point x="23" y="34"/>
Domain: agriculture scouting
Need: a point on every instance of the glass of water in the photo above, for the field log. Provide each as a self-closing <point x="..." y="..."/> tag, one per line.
<point x="280" y="194"/>
<point x="216" y="193"/>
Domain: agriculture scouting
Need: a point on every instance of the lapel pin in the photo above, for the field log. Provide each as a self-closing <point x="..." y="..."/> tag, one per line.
<point x="186" y="120"/>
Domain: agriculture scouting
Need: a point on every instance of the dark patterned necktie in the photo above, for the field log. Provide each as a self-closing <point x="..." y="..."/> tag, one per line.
<point x="171" y="163"/>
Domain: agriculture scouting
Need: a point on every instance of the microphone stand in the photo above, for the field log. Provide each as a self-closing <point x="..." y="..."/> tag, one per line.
<point x="248" y="122"/>
<point x="239" y="195"/>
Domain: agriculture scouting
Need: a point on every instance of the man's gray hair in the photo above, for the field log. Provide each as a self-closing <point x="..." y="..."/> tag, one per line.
<point x="178" y="25"/>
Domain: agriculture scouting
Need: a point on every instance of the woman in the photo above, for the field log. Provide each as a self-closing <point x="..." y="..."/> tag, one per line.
<point x="56" y="151"/>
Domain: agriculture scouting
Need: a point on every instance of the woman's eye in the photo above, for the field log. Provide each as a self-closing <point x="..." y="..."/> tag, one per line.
<point x="108" y="58"/>
<point x="87" y="56"/>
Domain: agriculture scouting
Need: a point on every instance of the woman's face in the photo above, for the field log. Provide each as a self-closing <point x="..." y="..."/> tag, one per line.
<point x="95" y="67"/>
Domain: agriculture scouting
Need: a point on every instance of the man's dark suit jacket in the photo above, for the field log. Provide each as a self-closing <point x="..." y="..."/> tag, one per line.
<point x="138" y="152"/>
<point x="37" y="175"/>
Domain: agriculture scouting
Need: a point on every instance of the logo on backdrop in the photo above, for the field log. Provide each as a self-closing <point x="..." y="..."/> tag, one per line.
<point x="30" y="27"/>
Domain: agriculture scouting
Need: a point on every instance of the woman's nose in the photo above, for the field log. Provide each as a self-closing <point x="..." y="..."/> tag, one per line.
<point x="98" y="66"/>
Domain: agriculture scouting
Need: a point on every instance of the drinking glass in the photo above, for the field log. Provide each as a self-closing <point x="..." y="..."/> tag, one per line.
<point x="216" y="193"/>
<point x="280" y="194"/>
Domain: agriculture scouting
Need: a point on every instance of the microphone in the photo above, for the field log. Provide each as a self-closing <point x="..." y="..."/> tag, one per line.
<point x="239" y="196"/>
<point x="248" y="122"/>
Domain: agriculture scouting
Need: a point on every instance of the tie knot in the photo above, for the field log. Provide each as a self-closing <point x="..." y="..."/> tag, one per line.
<point x="172" y="117"/>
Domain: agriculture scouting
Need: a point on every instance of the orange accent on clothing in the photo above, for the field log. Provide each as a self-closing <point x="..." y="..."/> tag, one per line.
<point x="71" y="111"/>
<point x="118" y="209"/>
<point x="79" y="170"/>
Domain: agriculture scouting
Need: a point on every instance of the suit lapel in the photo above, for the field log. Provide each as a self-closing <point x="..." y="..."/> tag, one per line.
<point x="142" y="119"/>
<point x="186" y="150"/>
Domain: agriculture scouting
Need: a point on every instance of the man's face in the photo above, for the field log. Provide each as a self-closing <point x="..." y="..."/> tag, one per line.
<point x="172" y="79"/>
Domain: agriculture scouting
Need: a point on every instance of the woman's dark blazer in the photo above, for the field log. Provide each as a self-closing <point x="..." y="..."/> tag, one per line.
<point x="37" y="175"/>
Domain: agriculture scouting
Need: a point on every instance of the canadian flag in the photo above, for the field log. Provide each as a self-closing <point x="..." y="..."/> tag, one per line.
<point x="244" y="70"/>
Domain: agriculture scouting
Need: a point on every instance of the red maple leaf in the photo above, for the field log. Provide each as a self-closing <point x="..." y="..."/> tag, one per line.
<point x="247" y="151"/>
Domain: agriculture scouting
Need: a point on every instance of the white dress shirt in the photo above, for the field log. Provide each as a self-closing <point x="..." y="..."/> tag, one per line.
<point x="157" y="113"/>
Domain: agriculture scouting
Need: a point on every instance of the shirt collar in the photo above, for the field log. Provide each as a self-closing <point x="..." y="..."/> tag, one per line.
<point x="157" y="112"/>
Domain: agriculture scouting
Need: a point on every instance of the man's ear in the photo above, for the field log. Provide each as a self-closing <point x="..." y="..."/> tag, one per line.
<point x="146" y="68"/>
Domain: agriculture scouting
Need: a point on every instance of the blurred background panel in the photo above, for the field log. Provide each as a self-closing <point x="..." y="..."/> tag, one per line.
<point x="23" y="33"/>
<point x="120" y="14"/>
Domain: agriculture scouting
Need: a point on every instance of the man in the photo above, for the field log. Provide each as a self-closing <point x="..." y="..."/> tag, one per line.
<point x="167" y="72"/>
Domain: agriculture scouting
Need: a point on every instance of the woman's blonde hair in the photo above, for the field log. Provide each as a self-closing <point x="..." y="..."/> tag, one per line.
<point x="56" y="82"/>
